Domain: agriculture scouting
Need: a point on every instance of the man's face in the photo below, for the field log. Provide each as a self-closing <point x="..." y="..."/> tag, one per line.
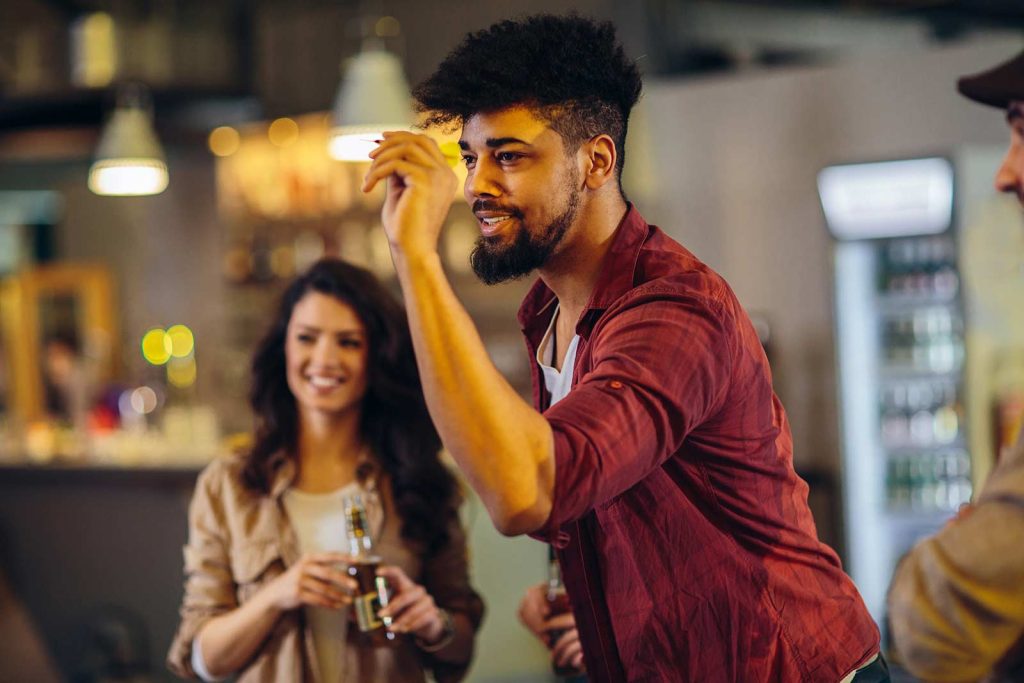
<point x="1010" y="177"/>
<point x="523" y="187"/>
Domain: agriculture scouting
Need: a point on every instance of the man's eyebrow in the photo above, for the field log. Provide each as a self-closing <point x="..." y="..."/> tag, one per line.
<point x="494" y="143"/>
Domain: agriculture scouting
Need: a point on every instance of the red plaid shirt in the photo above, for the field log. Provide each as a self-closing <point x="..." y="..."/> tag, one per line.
<point x="683" y="531"/>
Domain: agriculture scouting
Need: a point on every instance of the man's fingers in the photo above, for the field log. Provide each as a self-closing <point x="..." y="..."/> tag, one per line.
<point x="425" y="142"/>
<point x="407" y="152"/>
<point x="560" y="622"/>
<point x="406" y="170"/>
<point x="567" y="647"/>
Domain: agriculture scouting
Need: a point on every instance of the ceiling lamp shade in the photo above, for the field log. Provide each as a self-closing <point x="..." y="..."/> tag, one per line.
<point x="373" y="97"/>
<point x="129" y="159"/>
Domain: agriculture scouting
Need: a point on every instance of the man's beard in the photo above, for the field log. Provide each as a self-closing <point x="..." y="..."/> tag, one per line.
<point x="494" y="263"/>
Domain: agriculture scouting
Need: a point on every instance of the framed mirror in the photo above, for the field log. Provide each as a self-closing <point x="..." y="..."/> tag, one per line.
<point x="59" y="332"/>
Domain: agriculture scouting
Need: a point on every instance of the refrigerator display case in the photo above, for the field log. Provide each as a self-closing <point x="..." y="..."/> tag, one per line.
<point x="900" y="335"/>
<point x="929" y="280"/>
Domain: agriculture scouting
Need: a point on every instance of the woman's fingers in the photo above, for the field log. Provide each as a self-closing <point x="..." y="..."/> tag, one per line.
<point x="333" y="576"/>
<point x="416" y="617"/>
<point x="313" y="591"/>
<point x="403" y="600"/>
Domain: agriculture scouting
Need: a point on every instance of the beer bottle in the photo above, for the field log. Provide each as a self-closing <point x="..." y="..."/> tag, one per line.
<point x="372" y="593"/>
<point x="558" y="603"/>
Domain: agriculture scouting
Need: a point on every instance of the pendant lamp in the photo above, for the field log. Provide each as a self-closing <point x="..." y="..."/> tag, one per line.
<point x="373" y="97"/>
<point x="129" y="159"/>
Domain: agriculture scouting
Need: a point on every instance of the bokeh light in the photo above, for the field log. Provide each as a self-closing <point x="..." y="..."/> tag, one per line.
<point x="181" y="372"/>
<point x="156" y="346"/>
<point x="181" y="339"/>
<point x="143" y="400"/>
<point x="283" y="132"/>
<point x="224" y="141"/>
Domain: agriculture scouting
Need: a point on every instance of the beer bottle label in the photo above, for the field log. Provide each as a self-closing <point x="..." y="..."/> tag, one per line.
<point x="367" y="606"/>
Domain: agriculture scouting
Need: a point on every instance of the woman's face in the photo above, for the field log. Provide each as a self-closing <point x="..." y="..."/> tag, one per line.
<point x="326" y="355"/>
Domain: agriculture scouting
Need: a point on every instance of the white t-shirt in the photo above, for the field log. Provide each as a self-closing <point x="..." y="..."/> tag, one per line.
<point x="558" y="383"/>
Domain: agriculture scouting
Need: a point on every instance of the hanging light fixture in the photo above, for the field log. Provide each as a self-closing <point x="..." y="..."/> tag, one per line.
<point x="129" y="159"/>
<point x="373" y="97"/>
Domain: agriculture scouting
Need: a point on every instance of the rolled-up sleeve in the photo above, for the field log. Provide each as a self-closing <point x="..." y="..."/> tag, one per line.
<point x="660" y="367"/>
<point x="209" y="586"/>
<point x="446" y="578"/>
<point x="956" y="604"/>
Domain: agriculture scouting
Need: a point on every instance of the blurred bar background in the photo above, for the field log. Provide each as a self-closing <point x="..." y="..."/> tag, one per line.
<point x="127" y="322"/>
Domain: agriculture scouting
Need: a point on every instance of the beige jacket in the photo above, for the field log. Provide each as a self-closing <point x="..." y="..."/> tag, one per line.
<point x="956" y="604"/>
<point x="238" y="541"/>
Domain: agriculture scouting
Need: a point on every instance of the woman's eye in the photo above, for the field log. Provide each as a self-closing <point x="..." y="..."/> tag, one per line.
<point x="351" y="343"/>
<point x="305" y="338"/>
<point x="468" y="160"/>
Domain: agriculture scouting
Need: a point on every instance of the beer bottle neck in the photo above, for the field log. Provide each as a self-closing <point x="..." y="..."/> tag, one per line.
<point x="360" y="545"/>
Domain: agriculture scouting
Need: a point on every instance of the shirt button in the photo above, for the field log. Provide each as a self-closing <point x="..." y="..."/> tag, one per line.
<point x="615" y="384"/>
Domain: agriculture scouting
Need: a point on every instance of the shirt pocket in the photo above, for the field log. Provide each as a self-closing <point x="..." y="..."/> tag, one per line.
<point x="254" y="564"/>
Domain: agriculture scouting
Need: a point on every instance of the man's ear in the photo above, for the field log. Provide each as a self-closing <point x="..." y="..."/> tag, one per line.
<point x="600" y="156"/>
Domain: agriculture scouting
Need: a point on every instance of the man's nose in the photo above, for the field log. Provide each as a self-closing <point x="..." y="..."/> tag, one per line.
<point x="480" y="182"/>
<point x="1010" y="176"/>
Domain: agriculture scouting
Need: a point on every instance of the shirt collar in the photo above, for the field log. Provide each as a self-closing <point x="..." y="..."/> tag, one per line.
<point x="616" y="278"/>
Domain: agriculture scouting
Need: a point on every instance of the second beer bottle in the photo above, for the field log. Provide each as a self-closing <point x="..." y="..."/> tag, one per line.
<point x="558" y="603"/>
<point x="372" y="593"/>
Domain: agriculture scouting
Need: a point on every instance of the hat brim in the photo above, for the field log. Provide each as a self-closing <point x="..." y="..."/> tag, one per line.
<point x="997" y="87"/>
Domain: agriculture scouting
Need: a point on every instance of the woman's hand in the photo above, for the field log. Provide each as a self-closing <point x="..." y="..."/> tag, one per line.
<point x="411" y="608"/>
<point x="317" y="579"/>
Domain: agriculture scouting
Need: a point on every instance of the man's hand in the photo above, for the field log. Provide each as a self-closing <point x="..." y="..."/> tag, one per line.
<point x="535" y="613"/>
<point x="420" y="186"/>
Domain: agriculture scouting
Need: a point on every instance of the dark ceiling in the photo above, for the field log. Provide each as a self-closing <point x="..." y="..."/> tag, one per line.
<point x="283" y="56"/>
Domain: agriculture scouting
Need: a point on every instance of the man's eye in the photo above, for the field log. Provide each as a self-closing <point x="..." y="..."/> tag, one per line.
<point x="508" y="157"/>
<point x="468" y="160"/>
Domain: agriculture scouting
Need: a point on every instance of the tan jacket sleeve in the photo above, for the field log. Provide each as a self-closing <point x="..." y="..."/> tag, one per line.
<point x="209" y="587"/>
<point x="446" y="578"/>
<point x="956" y="604"/>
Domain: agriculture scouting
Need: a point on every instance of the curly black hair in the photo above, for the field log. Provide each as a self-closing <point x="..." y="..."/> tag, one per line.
<point x="571" y="69"/>
<point x="395" y="422"/>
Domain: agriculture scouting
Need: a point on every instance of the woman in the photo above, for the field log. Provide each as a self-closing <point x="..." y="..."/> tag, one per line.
<point x="339" y="413"/>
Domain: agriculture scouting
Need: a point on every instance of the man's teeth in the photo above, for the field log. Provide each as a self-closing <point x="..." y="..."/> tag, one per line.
<point x="496" y="220"/>
<point x="324" y="382"/>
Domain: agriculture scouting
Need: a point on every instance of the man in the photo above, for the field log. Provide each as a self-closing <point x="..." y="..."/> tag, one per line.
<point x="656" y="458"/>
<point x="956" y="604"/>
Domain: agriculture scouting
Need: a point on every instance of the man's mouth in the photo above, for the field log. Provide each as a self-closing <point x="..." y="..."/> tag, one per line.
<point x="491" y="223"/>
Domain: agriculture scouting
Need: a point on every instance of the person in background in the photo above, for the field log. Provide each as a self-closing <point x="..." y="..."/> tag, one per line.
<point x="956" y="603"/>
<point x="339" y="412"/>
<point x="656" y="457"/>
